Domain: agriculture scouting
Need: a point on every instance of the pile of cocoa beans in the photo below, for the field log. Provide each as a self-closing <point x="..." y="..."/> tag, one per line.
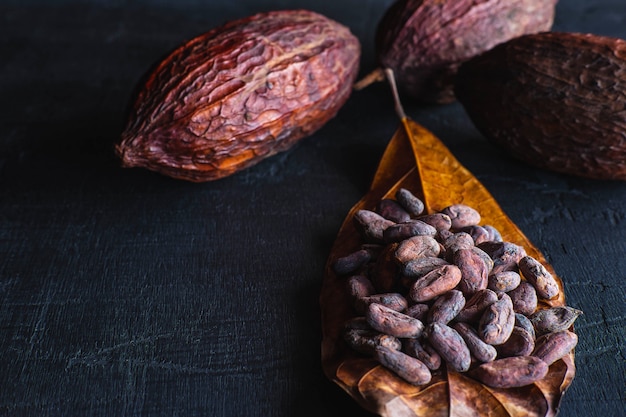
<point x="440" y="288"/>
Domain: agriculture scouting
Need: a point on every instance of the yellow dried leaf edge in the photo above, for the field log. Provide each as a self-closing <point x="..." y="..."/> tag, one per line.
<point x="417" y="160"/>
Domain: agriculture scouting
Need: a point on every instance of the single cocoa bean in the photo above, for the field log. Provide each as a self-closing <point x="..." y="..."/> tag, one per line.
<point x="392" y="322"/>
<point x="352" y="262"/>
<point x="554" y="319"/>
<point x="439" y="221"/>
<point x="371" y="225"/>
<point x="446" y="307"/>
<point x="401" y="231"/>
<point x="359" y="286"/>
<point x="455" y="242"/>
<point x="525" y="323"/>
<point x="497" y="321"/>
<point x="406" y="367"/>
<point x="553" y="346"/>
<point x="418" y="311"/>
<point x="513" y="372"/>
<point x="366" y="341"/>
<point x="392" y="210"/>
<point x="474" y="270"/>
<point x="520" y="343"/>
<point x="505" y="255"/>
<point x="494" y="234"/>
<point x="435" y="283"/>
<point x="462" y="215"/>
<point x="416" y="247"/>
<point x="539" y="277"/>
<point x="422" y="351"/>
<point x="450" y="346"/>
<point x="524" y="298"/>
<point x="504" y="281"/>
<point x="476" y="305"/>
<point x="421" y="266"/>
<point x="478" y="233"/>
<point x="481" y="351"/>
<point x="393" y="301"/>
<point x="412" y="204"/>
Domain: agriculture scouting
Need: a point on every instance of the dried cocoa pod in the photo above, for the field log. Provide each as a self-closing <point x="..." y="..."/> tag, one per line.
<point x="554" y="319"/>
<point x="476" y="305"/>
<point x="462" y="215"/>
<point x="439" y="221"/>
<point x="366" y="341"/>
<point x="554" y="100"/>
<point x="424" y="41"/>
<point x="351" y="262"/>
<point x="446" y="307"/>
<point x="422" y="351"/>
<point x="392" y="210"/>
<point x="553" y="346"/>
<point x="416" y="247"/>
<point x="450" y="346"/>
<point x="513" y="372"/>
<point x="435" y="283"/>
<point x="371" y="225"/>
<point x="406" y="367"/>
<point x="505" y="255"/>
<point x="240" y="93"/>
<point x="497" y="321"/>
<point x="359" y="286"/>
<point x="394" y="301"/>
<point x="392" y="322"/>
<point x="539" y="277"/>
<point x="504" y="281"/>
<point x="520" y="343"/>
<point x="481" y="351"/>
<point x="412" y="204"/>
<point x="474" y="270"/>
<point x="401" y="231"/>
<point x="524" y="298"/>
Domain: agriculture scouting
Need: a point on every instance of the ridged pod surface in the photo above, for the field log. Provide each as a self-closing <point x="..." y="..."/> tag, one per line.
<point x="554" y="100"/>
<point x="424" y="41"/>
<point x="240" y="93"/>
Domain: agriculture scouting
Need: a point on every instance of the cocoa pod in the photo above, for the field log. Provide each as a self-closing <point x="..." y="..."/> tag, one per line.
<point x="392" y="322"/>
<point x="435" y="283"/>
<point x="422" y="351"/>
<point x="520" y="343"/>
<point x="392" y="210"/>
<point x="481" y="351"/>
<point x="504" y="281"/>
<point x="450" y="346"/>
<point x="406" y="367"/>
<point x="366" y="341"/>
<point x="539" y="277"/>
<point x="553" y="346"/>
<point x="554" y="319"/>
<point x="474" y="270"/>
<point x="524" y="298"/>
<point x="446" y="307"/>
<point x="513" y="372"/>
<point x="401" y="231"/>
<point x="416" y="247"/>
<point x="476" y="305"/>
<point x="424" y="41"/>
<point x="412" y="204"/>
<point x="497" y="321"/>
<point x="240" y="93"/>
<point x="371" y="225"/>
<point x="554" y="100"/>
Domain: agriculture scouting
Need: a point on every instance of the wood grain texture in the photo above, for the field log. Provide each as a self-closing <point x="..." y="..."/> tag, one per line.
<point x="127" y="293"/>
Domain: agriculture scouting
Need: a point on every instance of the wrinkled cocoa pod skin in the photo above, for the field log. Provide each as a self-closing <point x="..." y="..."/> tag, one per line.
<point x="240" y="93"/>
<point x="424" y="41"/>
<point x="553" y="100"/>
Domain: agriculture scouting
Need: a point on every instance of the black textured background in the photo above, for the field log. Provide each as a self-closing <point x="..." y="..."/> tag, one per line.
<point x="126" y="293"/>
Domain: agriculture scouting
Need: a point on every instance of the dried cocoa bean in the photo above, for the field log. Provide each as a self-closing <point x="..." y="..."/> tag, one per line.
<point x="240" y="93"/>
<point x="450" y="346"/>
<point x="418" y="311"/>
<point x="474" y="270"/>
<point x="366" y="341"/>
<point x="525" y="323"/>
<point x="421" y="266"/>
<point x="422" y="351"/>
<point x="406" y="367"/>
<point x="494" y="234"/>
<point x="513" y="372"/>
<point x="393" y="323"/>
<point x="412" y="204"/>
<point x="505" y="255"/>
<point x="352" y="262"/>
<point x="435" y="283"/>
<point x="416" y="247"/>
<point x="504" y="281"/>
<point x="371" y="225"/>
<point x="359" y="286"/>
<point x="439" y="221"/>
<point x="553" y="346"/>
<point x="520" y="343"/>
<point x="455" y="242"/>
<point x="476" y="305"/>
<point x="539" y="277"/>
<point x="497" y="321"/>
<point x="478" y="233"/>
<point x="393" y="301"/>
<point x="401" y="231"/>
<point x="524" y="298"/>
<point x="462" y="215"/>
<point x="481" y="351"/>
<point x="446" y="307"/>
<point x="554" y="319"/>
<point x="392" y="210"/>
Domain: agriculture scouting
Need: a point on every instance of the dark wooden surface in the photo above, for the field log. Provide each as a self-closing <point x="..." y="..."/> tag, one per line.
<point x="125" y="293"/>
